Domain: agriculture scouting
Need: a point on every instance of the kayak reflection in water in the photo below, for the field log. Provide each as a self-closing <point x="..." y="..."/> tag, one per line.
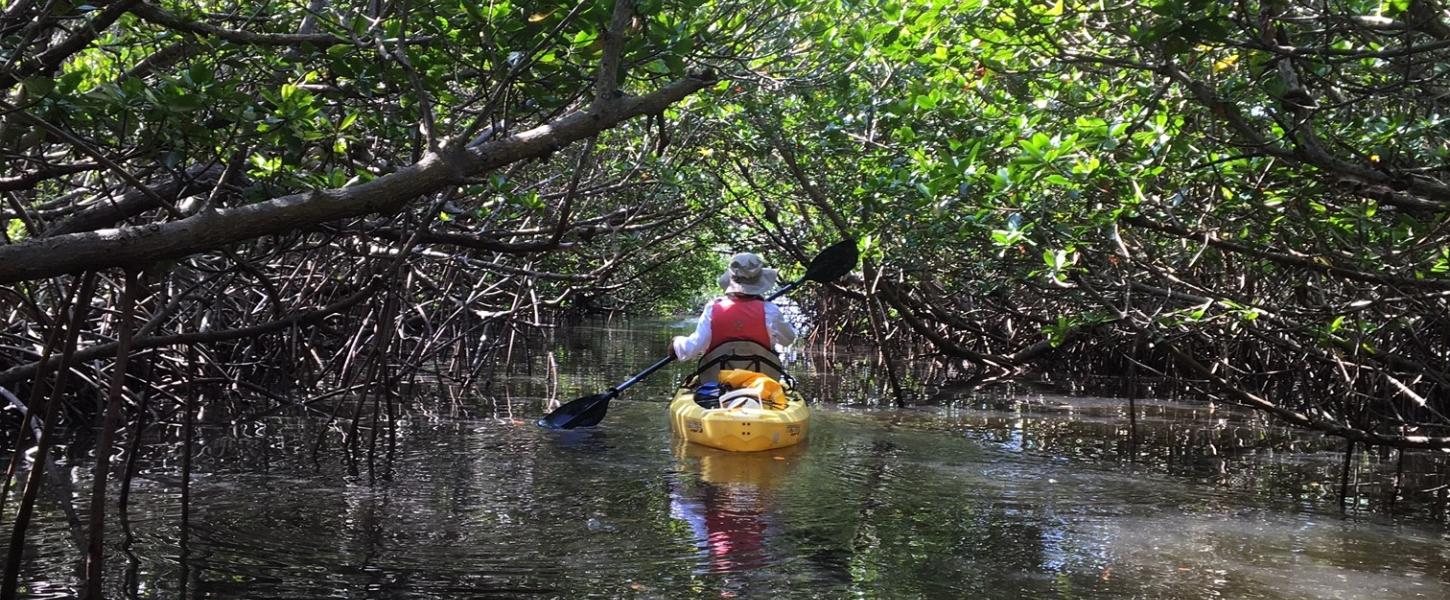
<point x="728" y="500"/>
<point x="728" y="522"/>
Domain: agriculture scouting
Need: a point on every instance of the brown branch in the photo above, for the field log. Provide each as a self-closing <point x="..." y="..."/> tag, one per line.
<point x="21" y="372"/>
<point x="568" y="203"/>
<point x="1426" y="16"/>
<point x="95" y="546"/>
<point x="1287" y="259"/>
<point x="607" y="82"/>
<point x="1429" y="193"/>
<point x="942" y="343"/>
<point x="1303" y="420"/>
<point x="29" y="180"/>
<point x="86" y="148"/>
<point x="157" y="16"/>
<point x="475" y="242"/>
<point x="817" y="196"/>
<point x="208" y="230"/>
<point x="424" y="100"/>
<point x="51" y="59"/>
<point x="107" y="213"/>
<point x="161" y="59"/>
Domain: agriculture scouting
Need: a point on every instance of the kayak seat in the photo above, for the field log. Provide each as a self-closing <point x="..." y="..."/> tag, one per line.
<point x="740" y="354"/>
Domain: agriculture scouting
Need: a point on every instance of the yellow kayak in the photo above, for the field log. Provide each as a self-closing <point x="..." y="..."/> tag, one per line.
<point x="756" y="470"/>
<point x="742" y="429"/>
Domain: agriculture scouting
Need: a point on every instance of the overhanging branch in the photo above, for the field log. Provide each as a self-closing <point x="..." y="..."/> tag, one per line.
<point x="210" y="229"/>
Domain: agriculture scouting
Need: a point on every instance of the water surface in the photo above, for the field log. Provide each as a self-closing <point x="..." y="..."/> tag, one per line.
<point x="992" y="495"/>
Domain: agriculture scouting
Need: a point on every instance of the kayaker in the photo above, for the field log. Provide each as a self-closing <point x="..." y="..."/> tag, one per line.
<point x="742" y="314"/>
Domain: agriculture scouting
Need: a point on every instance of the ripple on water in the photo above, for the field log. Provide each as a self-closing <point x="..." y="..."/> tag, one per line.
<point x="921" y="503"/>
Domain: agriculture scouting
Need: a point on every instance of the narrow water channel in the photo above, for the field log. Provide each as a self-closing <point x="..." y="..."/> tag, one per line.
<point x="999" y="495"/>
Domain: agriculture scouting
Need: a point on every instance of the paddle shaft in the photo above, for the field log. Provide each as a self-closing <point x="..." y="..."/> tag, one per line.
<point x="615" y="391"/>
<point x="786" y="288"/>
<point x="664" y="362"/>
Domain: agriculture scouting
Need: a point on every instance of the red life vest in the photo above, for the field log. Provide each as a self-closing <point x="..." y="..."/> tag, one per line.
<point x="734" y="319"/>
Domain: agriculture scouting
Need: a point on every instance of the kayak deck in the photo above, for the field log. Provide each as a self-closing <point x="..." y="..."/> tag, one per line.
<point x="739" y="429"/>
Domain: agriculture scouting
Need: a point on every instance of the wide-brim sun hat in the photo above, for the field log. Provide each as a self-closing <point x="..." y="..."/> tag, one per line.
<point x="747" y="275"/>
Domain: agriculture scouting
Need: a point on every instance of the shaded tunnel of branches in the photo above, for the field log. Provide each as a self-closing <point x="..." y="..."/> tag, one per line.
<point x="311" y="207"/>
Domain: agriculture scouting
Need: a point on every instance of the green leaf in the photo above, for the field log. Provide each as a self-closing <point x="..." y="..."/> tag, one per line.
<point x="38" y="86"/>
<point x="15" y="228"/>
<point x="1442" y="265"/>
<point x="471" y="8"/>
<point x="583" y="38"/>
<point x="1007" y="237"/>
<point x="265" y="166"/>
<point x="200" y="73"/>
<point x="676" y="64"/>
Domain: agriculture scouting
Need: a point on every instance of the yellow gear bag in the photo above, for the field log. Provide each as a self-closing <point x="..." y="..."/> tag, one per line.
<point x="771" y="393"/>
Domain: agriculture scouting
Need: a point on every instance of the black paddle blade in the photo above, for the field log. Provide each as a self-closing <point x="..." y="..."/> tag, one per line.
<point x="833" y="262"/>
<point x="583" y="412"/>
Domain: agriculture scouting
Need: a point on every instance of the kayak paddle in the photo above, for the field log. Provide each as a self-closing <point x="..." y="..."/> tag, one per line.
<point x="831" y="264"/>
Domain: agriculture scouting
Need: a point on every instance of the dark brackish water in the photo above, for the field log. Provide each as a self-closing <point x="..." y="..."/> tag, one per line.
<point x="1008" y="494"/>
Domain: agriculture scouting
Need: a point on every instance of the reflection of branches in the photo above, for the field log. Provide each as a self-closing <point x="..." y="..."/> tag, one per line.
<point x="1319" y="416"/>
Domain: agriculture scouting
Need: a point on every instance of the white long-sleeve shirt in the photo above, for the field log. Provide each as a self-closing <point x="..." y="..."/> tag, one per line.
<point x="694" y="345"/>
